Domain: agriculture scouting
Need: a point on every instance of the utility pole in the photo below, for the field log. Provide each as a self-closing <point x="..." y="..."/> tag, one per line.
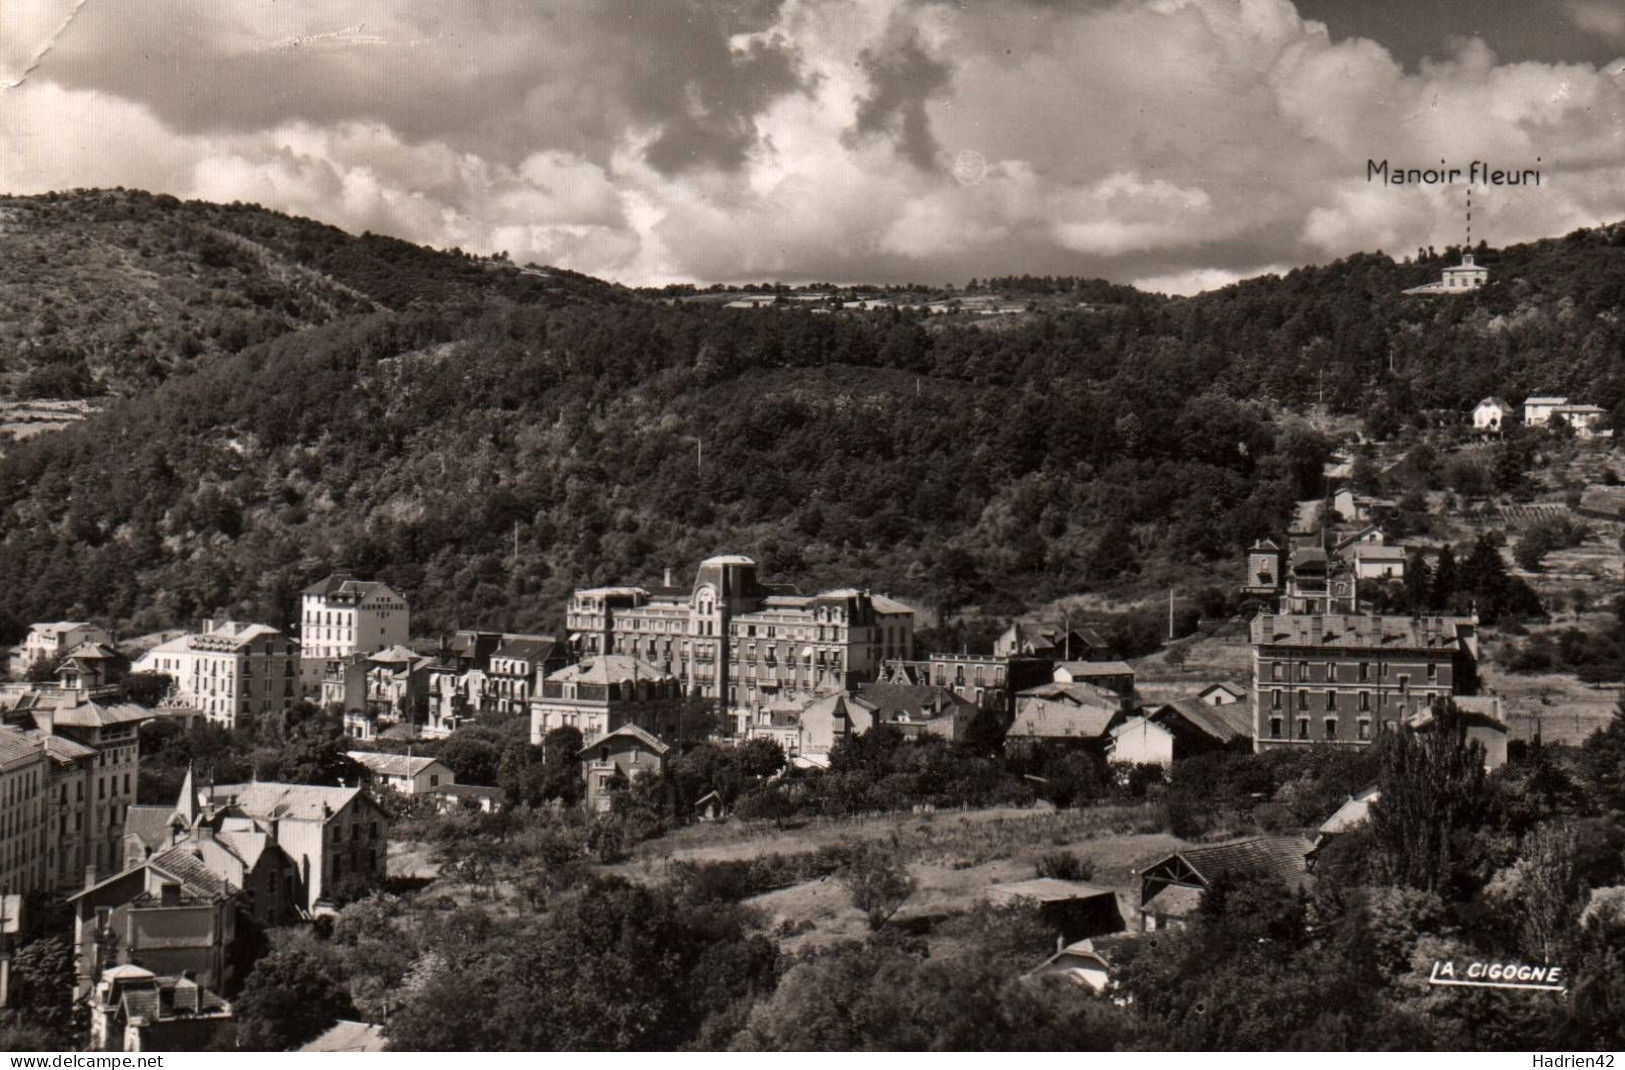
<point x="1170" y="613"/>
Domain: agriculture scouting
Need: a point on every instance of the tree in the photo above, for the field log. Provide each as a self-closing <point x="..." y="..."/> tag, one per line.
<point x="1433" y="796"/>
<point x="291" y="996"/>
<point x="1541" y="891"/>
<point x="878" y="882"/>
<point x="42" y="977"/>
<point x="1602" y="759"/>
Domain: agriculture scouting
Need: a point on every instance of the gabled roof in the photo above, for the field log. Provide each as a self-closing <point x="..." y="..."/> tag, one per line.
<point x="299" y="802"/>
<point x="1077" y="693"/>
<point x="1353" y="631"/>
<point x="149" y="824"/>
<point x="185" y="863"/>
<point x="1224" y="685"/>
<point x="1043" y="718"/>
<point x="342" y="583"/>
<point x="1493" y="400"/>
<point x="918" y="702"/>
<point x="393" y="764"/>
<point x="64" y="750"/>
<point x="1224" y="723"/>
<point x="1282" y="856"/>
<point x="1364" y="552"/>
<point x="1546" y="399"/>
<point x="609" y="669"/>
<point x="887" y="604"/>
<point x="1097" y="668"/>
<point x="16" y="743"/>
<point x="1352" y="813"/>
<point x="531" y="648"/>
<point x="93" y="651"/>
<point x="627" y="731"/>
<point x="77" y="711"/>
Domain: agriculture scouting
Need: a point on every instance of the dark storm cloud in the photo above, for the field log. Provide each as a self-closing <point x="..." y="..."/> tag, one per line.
<point x="903" y="77"/>
<point x="500" y="78"/>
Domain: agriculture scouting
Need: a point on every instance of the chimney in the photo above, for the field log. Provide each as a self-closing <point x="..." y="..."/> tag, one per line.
<point x="1317" y="629"/>
<point x="667" y="581"/>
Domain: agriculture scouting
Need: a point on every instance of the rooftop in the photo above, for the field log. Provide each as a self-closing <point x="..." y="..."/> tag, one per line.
<point x="1350" y="631"/>
<point x="629" y="732"/>
<point x="299" y="802"/>
<point x="609" y="669"/>
<point x="392" y="764"/>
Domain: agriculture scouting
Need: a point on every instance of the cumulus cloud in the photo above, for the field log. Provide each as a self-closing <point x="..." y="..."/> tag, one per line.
<point x="1180" y="142"/>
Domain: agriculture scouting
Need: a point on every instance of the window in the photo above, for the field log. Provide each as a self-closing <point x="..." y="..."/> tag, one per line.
<point x="1365" y="671"/>
<point x="1303" y="700"/>
<point x="1275" y="728"/>
<point x="1433" y="672"/>
<point x="1303" y="670"/>
<point x="1365" y="728"/>
<point x="1331" y="701"/>
<point x="1365" y="702"/>
<point x="1303" y="728"/>
<point x="1277" y="671"/>
<point x="434" y="780"/>
<point x="1331" y="728"/>
<point x="1275" y="699"/>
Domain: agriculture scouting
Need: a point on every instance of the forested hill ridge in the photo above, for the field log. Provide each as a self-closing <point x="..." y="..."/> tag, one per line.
<point x="486" y="442"/>
<point x="111" y="291"/>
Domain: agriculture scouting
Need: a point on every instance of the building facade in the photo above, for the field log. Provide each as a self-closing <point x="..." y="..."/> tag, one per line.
<point x="741" y="642"/>
<point x="605" y="693"/>
<point x="89" y="793"/>
<point x="231" y="672"/>
<point x="1342" y="679"/>
<point x="53" y="640"/>
<point x="341" y="616"/>
<point x="327" y="833"/>
<point x="24" y="833"/>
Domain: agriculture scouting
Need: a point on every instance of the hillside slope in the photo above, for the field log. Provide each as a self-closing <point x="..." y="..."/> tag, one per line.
<point x="488" y="447"/>
<point x="110" y="292"/>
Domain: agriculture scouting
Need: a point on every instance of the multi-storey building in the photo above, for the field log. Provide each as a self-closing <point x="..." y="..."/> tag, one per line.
<point x="989" y="680"/>
<point x="516" y="667"/>
<point x="341" y="616"/>
<point x="70" y="790"/>
<point x="741" y="642"/>
<point x="328" y="833"/>
<point x="1343" y="678"/>
<point x="46" y="642"/>
<point x="376" y="691"/>
<point x="98" y="789"/>
<point x="1302" y="577"/>
<point x="231" y="672"/>
<point x="24" y="834"/>
<point x="602" y="694"/>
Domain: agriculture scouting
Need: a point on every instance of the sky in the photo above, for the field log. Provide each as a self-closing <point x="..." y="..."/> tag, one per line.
<point x="1175" y="144"/>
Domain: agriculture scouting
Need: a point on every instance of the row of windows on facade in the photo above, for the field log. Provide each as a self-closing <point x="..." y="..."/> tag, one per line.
<point x="1278" y="671"/>
<point x="1331" y="697"/>
<point x="1362" y="729"/>
<point x="115" y="816"/>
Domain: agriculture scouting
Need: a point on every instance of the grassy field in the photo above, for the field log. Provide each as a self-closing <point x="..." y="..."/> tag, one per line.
<point x="954" y="858"/>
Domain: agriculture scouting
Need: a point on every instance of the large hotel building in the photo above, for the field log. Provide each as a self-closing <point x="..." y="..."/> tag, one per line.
<point x="1342" y="678"/>
<point x="747" y="644"/>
